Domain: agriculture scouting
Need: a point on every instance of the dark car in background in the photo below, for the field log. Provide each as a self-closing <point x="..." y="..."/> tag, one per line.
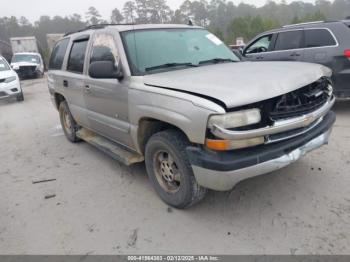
<point x="326" y="43"/>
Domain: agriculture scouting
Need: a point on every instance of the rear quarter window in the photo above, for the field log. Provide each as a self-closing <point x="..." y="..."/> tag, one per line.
<point x="58" y="53"/>
<point x="318" y="38"/>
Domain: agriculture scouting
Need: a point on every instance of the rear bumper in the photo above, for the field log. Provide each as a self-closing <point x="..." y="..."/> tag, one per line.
<point x="223" y="170"/>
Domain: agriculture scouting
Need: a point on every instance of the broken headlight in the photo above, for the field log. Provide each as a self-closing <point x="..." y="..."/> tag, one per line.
<point x="236" y="119"/>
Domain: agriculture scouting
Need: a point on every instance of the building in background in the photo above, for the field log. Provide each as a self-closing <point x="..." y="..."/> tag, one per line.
<point x="5" y="50"/>
<point x="24" y="44"/>
<point x="239" y="43"/>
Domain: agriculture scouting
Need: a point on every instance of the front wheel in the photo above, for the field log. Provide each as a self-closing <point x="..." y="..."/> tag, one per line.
<point x="20" y="97"/>
<point x="169" y="170"/>
<point x="69" y="126"/>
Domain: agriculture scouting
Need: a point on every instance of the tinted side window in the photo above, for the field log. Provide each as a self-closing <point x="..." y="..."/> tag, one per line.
<point x="58" y="53"/>
<point x="104" y="49"/>
<point x="77" y="57"/>
<point x="318" y="37"/>
<point x="289" y="40"/>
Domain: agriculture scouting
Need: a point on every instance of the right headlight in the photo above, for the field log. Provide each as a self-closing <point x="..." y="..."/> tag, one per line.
<point x="10" y="79"/>
<point x="231" y="120"/>
<point x="236" y="119"/>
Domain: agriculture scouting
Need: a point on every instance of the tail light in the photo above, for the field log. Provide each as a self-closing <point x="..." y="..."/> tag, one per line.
<point x="347" y="53"/>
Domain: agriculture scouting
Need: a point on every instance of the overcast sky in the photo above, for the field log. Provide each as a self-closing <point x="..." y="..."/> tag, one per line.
<point x="33" y="9"/>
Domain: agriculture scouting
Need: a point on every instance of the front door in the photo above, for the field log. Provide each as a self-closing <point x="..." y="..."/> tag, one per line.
<point x="259" y="50"/>
<point x="107" y="99"/>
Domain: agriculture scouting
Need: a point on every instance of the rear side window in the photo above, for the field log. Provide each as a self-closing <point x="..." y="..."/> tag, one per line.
<point x="58" y="54"/>
<point x="77" y="57"/>
<point x="289" y="40"/>
<point x="318" y="37"/>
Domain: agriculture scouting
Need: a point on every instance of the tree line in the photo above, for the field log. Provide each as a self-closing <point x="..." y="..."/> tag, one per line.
<point x="222" y="17"/>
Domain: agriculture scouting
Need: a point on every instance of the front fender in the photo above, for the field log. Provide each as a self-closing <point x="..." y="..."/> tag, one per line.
<point x="187" y="112"/>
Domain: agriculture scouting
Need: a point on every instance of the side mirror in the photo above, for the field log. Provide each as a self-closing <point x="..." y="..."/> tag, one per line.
<point x="105" y="69"/>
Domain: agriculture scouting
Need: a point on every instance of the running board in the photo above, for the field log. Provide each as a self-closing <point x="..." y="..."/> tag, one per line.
<point x="114" y="150"/>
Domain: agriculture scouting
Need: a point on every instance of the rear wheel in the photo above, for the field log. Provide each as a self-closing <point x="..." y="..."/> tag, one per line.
<point x="169" y="170"/>
<point x="69" y="126"/>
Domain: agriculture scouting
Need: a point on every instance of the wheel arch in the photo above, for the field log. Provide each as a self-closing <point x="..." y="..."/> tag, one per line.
<point x="59" y="98"/>
<point x="149" y="126"/>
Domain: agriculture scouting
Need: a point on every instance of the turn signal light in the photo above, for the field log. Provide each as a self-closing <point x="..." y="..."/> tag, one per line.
<point x="224" y="145"/>
<point x="218" y="145"/>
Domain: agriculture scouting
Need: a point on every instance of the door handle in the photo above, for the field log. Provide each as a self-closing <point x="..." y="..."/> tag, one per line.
<point x="87" y="89"/>
<point x="259" y="57"/>
<point x="295" y="54"/>
<point x="65" y="83"/>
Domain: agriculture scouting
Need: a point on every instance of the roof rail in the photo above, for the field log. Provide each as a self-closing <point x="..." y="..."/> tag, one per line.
<point x="97" y="26"/>
<point x="306" y="23"/>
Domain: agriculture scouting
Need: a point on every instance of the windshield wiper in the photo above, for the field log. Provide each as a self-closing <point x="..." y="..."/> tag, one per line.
<point x="216" y="60"/>
<point x="167" y="65"/>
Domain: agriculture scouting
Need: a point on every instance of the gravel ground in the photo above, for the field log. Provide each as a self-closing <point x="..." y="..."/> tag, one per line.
<point x="101" y="207"/>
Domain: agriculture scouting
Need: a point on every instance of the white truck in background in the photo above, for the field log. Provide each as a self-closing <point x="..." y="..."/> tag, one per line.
<point x="27" y="60"/>
<point x="24" y="44"/>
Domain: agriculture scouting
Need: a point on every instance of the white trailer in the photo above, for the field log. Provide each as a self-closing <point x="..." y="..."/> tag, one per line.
<point x="24" y="44"/>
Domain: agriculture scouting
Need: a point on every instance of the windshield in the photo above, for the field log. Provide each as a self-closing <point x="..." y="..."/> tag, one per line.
<point x="3" y="65"/>
<point x="25" y="58"/>
<point x="159" y="50"/>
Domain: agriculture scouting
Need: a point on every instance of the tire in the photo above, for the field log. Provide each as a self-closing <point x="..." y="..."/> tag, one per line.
<point x="69" y="126"/>
<point x="169" y="170"/>
<point x="20" y="97"/>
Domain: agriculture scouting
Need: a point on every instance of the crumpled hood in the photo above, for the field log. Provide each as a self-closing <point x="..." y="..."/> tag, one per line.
<point x="242" y="83"/>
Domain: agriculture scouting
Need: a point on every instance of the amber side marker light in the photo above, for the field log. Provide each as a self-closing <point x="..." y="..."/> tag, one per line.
<point x="218" y="145"/>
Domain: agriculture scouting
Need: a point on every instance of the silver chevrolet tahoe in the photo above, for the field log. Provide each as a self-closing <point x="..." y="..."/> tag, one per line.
<point x="177" y="98"/>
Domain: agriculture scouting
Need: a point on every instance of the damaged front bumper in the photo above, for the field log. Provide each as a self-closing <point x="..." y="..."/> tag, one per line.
<point x="223" y="170"/>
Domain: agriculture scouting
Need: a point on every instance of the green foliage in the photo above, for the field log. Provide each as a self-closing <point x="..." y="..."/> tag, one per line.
<point x="222" y="17"/>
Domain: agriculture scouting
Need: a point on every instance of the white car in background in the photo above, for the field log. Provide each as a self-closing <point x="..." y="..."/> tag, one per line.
<point x="10" y="85"/>
<point x="28" y="65"/>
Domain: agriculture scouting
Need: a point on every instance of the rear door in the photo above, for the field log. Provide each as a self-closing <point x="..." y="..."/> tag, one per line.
<point x="289" y="46"/>
<point x="73" y="81"/>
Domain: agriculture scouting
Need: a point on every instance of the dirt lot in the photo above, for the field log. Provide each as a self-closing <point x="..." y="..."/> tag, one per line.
<point x="101" y="207"/>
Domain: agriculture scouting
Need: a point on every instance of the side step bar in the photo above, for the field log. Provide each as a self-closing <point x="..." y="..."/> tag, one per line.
<point x="114" y="150"/>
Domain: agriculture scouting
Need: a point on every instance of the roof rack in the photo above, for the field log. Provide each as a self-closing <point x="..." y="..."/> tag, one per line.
<point x="306" y="23"/>
<point x="97" y="26"/>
